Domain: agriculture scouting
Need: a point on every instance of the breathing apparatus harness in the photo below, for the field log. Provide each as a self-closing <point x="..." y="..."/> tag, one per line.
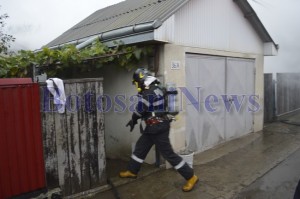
<point x="142" y="80"/>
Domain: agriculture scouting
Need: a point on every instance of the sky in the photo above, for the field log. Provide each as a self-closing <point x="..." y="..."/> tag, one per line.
<point x="35" y="23"/>
<point x="281" y="18"/>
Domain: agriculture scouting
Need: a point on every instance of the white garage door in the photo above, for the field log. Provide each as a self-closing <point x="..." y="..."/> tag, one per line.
<point x="220" y="88"/>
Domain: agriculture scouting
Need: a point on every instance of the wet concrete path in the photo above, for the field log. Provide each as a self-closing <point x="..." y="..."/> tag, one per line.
<point x="227" y="171"/>
<point x="279" y="183"/>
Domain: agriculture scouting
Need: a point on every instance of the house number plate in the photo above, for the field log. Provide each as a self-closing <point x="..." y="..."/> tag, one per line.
<point x="175" y="65"/>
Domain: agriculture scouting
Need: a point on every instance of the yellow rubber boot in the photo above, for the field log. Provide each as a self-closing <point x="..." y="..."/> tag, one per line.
<point x="190" y="184"/>
<point x="127" y="174"/>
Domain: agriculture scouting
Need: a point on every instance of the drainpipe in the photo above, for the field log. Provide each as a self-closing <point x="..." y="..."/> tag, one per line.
<point x="87" y="42"/>
<point x="137" y="28"/>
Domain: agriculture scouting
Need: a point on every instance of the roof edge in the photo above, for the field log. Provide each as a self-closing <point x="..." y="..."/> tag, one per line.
<point x="174" y="10"/>
<point x="254" y="20"/>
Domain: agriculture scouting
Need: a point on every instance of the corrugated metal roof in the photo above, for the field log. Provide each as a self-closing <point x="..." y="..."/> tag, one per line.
<point x="130" y="13"/>
<point x="125" y="13"/>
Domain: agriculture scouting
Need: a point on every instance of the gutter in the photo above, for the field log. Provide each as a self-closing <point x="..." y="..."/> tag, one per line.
<point x="109" y="35"/>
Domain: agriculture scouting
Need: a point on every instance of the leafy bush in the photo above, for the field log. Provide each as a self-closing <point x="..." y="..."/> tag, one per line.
<point x="55" y="61"/>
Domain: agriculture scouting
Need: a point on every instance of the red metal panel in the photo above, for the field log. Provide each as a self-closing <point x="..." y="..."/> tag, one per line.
<point x="21" y="150"/>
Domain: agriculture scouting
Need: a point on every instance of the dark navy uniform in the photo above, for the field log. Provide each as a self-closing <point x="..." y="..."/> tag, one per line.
<point x="297" y="192"/>
<point x="150" y="108"/>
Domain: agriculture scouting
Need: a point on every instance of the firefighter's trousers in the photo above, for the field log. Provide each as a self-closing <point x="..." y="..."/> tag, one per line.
<point x="158" y="135"/>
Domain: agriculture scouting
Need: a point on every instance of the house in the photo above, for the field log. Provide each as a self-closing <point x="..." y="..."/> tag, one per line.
<point x="213" y="50"/>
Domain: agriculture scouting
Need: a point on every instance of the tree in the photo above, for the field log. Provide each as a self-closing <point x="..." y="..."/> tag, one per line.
<point x="5" y="39"/>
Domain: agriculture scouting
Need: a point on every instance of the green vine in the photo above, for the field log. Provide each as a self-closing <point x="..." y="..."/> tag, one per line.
<point x="57" y="61"/>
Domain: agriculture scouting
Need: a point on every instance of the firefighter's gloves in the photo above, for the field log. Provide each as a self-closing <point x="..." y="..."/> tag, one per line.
<point x="131" y="123"/>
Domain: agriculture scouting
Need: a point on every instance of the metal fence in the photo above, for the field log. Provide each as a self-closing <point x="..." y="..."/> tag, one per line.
<point x="288" y="92"/>
<point x="282" y="95"/>
<point x="269" y="99"/>
<point x="74" y="141"/>
<point x="21" y="150"/>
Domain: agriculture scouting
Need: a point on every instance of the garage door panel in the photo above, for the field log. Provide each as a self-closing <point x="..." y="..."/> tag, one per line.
<point x="240" y="76"/>
<point x="193" y="137"/>
<point x="214" y="122"/>
<point x="211" y="76"/>
<point x="205" y="129"/>
<point x="212" y="128"/>
<point x="205" y="72"/>
<point x="240" y="83"/>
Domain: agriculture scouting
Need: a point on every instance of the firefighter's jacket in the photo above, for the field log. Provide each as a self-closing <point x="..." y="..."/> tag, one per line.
<point x="151" y="103"/>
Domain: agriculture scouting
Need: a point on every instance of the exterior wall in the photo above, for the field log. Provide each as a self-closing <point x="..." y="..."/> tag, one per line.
<point x="259" y="90"/>
<point x="171" y="53"/>
<point x="209" y="27"/>
<point x="212" y="24"/>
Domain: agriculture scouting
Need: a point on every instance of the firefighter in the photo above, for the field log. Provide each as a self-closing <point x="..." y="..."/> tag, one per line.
<point x="150" y="108"/>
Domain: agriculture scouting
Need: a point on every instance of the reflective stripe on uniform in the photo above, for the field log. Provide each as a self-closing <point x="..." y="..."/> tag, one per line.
<point x="178" y="166"/>
<point x="145" y="102"/>
<point x="137" y="113"/>
<point x="137" y="159"/>
<point x="160" y="102"/>
<point x="158" y="92"/>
